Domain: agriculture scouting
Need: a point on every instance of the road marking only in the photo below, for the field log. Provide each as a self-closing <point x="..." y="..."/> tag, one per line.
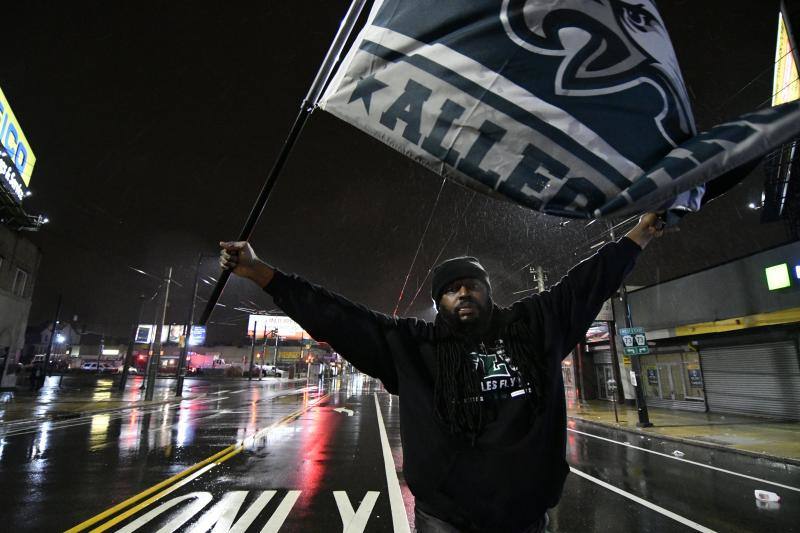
<point x="192" y="472"/>
<point x="355" y="521"/>
<point x="221" y="516"/>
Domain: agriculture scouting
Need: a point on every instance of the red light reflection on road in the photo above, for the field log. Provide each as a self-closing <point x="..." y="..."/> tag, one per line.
<point x="572" y="448"/>
<point x="318" y="427"/>
<point x="129" y="435"/>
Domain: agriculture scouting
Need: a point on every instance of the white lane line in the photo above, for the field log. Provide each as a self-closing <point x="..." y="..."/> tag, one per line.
<point x="640" y="501"/>
<point x="201" y="499"/>
<point x="140" y="521"/>
<point x="668" y="456"/>
<point x="399" y="518"/>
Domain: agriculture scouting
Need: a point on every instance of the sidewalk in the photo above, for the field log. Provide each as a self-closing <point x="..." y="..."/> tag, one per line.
<point x="749" y="435"/>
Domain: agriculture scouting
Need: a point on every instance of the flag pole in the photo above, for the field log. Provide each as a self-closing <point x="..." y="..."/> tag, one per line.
<point x="320" y="81"/>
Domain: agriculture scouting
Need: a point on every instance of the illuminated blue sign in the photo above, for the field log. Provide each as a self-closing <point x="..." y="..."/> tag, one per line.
<point x="198" y="336"/>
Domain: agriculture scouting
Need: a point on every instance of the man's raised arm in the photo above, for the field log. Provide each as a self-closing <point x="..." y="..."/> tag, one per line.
<point x="240" y="258"/>
<point x="578" y="297"/>
<point x="354" y="331"/>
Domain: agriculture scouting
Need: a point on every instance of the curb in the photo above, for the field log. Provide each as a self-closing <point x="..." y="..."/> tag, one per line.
<point x="683" y="440"/>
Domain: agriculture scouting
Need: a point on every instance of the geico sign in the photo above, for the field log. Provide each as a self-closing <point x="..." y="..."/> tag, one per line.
<point x="10" y="178"/>
<point x="14" y="141"/>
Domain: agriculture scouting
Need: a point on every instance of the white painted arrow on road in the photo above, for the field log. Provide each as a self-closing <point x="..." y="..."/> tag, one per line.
<point x="344" y="410"/>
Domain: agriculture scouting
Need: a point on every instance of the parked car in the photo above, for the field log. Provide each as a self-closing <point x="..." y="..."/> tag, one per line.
<point x="105" y="368"/>
<point x="270" y="370"/>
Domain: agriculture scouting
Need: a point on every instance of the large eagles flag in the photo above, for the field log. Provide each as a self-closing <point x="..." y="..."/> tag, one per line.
<point x="574" y="108"/>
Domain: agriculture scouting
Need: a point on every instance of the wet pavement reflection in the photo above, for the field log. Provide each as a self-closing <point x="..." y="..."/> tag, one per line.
<point x="299" y="456"/>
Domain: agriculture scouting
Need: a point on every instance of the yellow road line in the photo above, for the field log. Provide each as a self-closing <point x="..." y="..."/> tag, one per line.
<point x="286" y="419"/>
<point x="133" y="499"/>
<point x="217" y="458"/>
<point x="133" y="510"/>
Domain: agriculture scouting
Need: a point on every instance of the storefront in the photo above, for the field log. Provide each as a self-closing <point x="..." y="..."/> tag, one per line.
<point x="673" y="379"/>
<point x="591" y="376"/>
<point x="761" y="379"/>
<point x="724" y="339"/>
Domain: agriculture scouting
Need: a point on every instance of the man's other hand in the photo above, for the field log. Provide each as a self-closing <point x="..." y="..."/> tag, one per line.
<point x="240" y="258"/>
<point x="649" y="226"/>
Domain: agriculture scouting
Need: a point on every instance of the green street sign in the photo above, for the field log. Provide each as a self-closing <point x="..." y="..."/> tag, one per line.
<point x="634" y="341"/>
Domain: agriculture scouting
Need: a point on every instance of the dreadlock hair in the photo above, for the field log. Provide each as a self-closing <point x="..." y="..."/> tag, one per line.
<point x="457" y="389"/>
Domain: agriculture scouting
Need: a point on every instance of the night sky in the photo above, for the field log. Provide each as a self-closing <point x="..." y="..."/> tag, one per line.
<point x="155" y="123"/>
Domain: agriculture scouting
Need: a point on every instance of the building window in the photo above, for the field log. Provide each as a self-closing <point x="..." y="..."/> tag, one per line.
<point x="20" y="280"/>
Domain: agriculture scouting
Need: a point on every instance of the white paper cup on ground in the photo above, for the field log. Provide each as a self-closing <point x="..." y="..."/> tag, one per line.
<point x="766" y="496"/>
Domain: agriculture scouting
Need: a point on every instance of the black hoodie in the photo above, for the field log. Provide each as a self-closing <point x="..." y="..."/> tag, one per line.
<point x="506" y="478"/>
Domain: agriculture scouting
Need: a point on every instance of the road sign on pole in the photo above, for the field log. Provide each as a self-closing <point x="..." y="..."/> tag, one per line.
<point x="634" y="341"/>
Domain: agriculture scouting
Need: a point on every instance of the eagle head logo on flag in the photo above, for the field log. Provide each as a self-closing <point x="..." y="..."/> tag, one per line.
<point x="574" y="108"/>
<point x="609" y="48"/>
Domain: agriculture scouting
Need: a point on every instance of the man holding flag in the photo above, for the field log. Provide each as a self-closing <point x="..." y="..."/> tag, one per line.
<point x="482" y="411"/>
<point x="574" y="108"/>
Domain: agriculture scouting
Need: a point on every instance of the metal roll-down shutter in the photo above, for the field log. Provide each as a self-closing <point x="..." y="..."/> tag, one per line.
<point x="755" y="379"/>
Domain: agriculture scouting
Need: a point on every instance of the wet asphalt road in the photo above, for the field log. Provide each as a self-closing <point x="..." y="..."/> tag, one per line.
<point x="293" y="457"/>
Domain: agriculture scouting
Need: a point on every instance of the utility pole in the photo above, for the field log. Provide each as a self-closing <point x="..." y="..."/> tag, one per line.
<point x="52" y="337"/>
<point x="612" y="345"/>
<point x="252" y="354"/>
<point x="539" y="277"/>
<point x="275" y="355"/>
<point x="151" y="343"/>
<point x="187" y="331"/>
<point x="101" y="348"/>
<point x="156" y="356"/>
<point x="123" y="379"/>
<point x="636" y="372"/>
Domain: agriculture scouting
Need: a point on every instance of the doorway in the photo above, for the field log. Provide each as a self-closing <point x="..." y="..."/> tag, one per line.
<point x="604" y="373"/>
